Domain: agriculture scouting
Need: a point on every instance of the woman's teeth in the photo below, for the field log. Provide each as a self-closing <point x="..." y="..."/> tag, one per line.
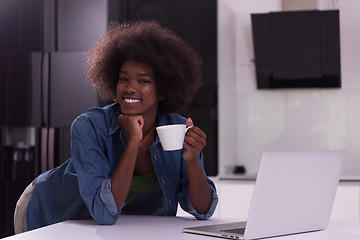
<point x="132" y="100"/>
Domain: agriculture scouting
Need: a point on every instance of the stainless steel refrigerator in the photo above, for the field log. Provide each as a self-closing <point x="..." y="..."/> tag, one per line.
<point x="43" y="93"/>
<point x="42" y="87"/>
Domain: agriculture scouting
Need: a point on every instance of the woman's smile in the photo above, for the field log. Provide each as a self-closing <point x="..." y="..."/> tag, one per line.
<point x="131" y="101"/>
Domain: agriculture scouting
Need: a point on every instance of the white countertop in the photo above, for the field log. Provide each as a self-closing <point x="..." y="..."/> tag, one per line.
<point x="154" y="227"/>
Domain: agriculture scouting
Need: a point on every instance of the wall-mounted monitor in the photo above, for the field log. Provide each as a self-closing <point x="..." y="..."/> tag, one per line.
<point x="297" y="49"/>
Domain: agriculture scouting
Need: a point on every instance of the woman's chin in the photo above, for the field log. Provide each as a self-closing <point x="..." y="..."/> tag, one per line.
<point x="130" y="112"/>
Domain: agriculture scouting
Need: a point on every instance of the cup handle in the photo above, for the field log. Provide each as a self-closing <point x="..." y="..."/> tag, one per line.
<point x="186" y="129"/>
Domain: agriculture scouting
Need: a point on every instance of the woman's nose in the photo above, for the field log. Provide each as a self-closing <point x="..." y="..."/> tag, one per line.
<point x="131" y="86"/>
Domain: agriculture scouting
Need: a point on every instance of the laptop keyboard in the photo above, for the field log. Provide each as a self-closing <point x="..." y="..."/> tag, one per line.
<point x="234" y="230"/>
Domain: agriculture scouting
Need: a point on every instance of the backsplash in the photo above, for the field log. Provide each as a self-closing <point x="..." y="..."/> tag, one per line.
<point x="297" y="120"/>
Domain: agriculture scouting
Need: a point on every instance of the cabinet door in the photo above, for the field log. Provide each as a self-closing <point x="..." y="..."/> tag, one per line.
<point x="347" y="202"/>
<point x="80" y="23"/>
<point x="235" y="200"/>
<point x="21" y="25"/>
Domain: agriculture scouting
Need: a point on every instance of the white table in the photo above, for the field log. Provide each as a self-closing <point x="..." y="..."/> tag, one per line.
<point x="153" y="227"/>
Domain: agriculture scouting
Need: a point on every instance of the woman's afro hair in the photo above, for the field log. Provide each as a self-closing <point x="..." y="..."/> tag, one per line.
<point x="176" y="65"/>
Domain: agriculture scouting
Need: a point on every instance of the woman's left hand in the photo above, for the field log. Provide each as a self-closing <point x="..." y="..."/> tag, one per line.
<point x="195" y="141"/>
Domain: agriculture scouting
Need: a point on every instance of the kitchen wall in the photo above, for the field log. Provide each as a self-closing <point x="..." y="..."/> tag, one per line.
<point x="252" y="121"/>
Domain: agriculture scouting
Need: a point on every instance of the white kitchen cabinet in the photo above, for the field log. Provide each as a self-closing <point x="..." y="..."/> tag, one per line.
<point x="235" y="199"/>
<point x="347" y="202"/>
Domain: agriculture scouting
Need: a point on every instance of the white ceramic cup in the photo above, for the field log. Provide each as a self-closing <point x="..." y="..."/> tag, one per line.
<point x="172" y="136"/>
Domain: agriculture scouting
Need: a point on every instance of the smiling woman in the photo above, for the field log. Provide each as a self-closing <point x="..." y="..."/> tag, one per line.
<point x="118" y="165"/>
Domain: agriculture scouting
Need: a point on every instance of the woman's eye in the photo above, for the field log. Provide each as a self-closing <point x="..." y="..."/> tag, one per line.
<point x="143" y="81"/>
<point x="122" y="79"/>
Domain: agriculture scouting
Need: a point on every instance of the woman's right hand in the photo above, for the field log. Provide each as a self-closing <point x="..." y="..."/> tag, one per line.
<point x="132" y="125"/>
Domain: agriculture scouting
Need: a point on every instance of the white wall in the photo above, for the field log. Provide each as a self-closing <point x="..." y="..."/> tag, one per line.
<point x="252" y="121"/>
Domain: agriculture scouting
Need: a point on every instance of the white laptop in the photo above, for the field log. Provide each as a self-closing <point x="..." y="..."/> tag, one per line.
<point x="294" y="193"/>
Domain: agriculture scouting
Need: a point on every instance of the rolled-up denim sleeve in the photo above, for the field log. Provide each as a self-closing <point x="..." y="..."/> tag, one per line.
<point x="93" y="171"/>
<point x="107" y="197"/>
<point x="210" y="212"/>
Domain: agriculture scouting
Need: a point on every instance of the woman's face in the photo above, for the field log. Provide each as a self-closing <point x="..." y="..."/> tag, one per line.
<point x="136" y="89"/>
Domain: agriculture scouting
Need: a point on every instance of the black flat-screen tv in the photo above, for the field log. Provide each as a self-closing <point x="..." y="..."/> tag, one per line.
<point x="297" y="49"/>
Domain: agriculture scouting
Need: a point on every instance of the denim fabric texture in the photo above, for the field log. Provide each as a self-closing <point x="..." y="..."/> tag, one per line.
<point x="81" y="187"/>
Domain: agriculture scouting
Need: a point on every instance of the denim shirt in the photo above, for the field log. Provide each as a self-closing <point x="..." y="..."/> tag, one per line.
<point x="81" y="186"/>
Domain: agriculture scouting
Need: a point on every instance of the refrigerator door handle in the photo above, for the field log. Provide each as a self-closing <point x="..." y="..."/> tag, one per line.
<point x="44" y="147"/>
<point x="47" y="148"/>
<point x="51" y="148"/>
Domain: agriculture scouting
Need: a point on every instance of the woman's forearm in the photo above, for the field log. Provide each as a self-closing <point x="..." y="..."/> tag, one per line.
<point x="122" y="176"/>
<point x="199" y="189"/>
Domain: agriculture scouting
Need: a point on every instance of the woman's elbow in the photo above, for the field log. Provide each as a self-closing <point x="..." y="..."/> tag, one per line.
<point x="106" y="221"/>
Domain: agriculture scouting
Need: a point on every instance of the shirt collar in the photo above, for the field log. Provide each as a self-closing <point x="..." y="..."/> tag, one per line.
<point x="115" y="125"/>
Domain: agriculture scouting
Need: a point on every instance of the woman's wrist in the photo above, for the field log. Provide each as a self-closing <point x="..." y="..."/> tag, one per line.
<point x="191" y="160"/>
<point x="133" y="142"/>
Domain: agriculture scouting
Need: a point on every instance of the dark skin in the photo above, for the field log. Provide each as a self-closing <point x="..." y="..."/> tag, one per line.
<point x="138" y="97"/>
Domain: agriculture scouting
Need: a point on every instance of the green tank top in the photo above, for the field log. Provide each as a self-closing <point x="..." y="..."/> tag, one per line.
<point x="141" y="184"/>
